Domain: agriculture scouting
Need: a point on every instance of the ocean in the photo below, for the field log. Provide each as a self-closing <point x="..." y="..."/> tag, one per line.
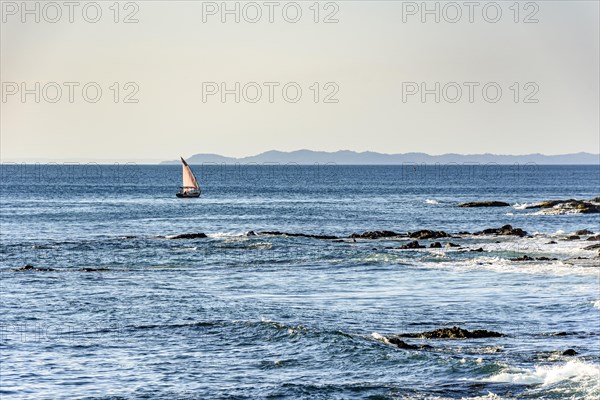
<point x="101" y="300"/>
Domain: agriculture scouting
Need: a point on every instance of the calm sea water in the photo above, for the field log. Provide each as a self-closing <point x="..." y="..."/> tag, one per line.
<point x="236" y="316"/>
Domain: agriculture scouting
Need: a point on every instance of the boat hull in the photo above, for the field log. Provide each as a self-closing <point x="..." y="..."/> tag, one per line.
<point x="187" y="195"/>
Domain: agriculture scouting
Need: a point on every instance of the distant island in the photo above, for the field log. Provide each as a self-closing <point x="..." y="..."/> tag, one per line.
<point x="347" y="157"/>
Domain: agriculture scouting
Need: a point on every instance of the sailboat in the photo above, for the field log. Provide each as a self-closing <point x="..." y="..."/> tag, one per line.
<point x="190" y="186"/>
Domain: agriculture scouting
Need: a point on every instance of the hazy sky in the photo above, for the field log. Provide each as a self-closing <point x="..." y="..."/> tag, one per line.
<point x="376" y="57"/>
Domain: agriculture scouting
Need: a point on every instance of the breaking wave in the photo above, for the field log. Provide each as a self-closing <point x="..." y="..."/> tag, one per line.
<point x="574" y="370"/>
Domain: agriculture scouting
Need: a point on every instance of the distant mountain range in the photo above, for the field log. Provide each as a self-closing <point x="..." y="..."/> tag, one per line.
<point x="346" y="157"/>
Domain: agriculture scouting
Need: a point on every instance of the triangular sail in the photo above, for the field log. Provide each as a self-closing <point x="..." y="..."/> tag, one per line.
<point x="189" y="180"/>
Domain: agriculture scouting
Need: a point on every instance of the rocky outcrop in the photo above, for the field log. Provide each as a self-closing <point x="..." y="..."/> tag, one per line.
<point x="505" y="230"/>
<point x="450" y="244"/>
<point x="453" y="333"/>
<point x="93" y="269"/>
<point x="595" y="237"/>
<point x="436" y="245"/>
<point x="304" y="235"/>
<point x="573" y="237"/>
<point x="569" y="352"/>
<point x="412" y="245"/>
<point x="29" y="267"/>
<point x="485" y="204"/>
<point x="570" y="205"/>
<point x="584" y="232"/>
<point x="427" y="234"/>
<point x="592" y="247"/>
<point x="32" y="268"/>
<point x="528" y="258"/>
<point x="395" y="340"/>
<point x="375" y="235"/>
<point x="188" y="236"/>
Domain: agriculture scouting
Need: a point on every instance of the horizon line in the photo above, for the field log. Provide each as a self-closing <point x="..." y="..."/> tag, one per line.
<point x="154" y="160"/>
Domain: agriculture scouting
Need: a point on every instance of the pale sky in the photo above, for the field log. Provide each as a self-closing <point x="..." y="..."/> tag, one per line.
<point x="370" y="56"/>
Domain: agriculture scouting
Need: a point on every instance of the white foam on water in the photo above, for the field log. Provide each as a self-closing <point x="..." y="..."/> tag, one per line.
<point x="380" y="337"/>
<point x="596" y="304"/>
<point x="226" y="234"/>
<point x="498" y="264"/>
<point x="556" y="211"/>
<point x="381" y="257"/>
<point x="262" y="246"/>
<point x="431" y="201"/>
<point x="489" y="396"/>
<point x="522" y="206"/>
<point x="574" y="370"/>
<point x="186" y="249"/>
<point x="497" y="256"/>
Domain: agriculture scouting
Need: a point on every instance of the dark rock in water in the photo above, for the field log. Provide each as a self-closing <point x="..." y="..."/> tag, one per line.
<point x="403" y="345"/>
<point x="596" y="199"/>
<point x="375" y="235"/>
<point x="427" y="234"/>
<point x="450" y="244"/>
<point x="551" y="242"/>
<point x="189" y="236"/>
<point x="485" y="204"/>
<point x="251" y="233"/>
<point x="412" y="245"/>
<point x="572" y="237"/>
<point x="596" y="237"/>
<point x="453" y="333"/>
<point x="592" y="247"/>
<point x="580" y="206"/>
<point x="463" y="233"/>
<point x="584" y="232"/>
<point x="93" y="269"/>
<point x="548" y="204"/>
<point x="277" y="233"/>
<point x="29" y="267"/>
<point x="569" y="352"/>
<point x="479" y="250"/>
<point x="528" y="258"/>
<point x="522" y="258"/>
<point x="505" y="230"/>
<point x="436" y="245"/>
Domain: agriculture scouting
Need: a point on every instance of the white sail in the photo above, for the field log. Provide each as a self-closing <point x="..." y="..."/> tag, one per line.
<point x="189" y="180"/>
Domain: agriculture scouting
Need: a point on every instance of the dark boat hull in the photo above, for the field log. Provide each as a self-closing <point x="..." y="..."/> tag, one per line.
<point x="187" y="195"/>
